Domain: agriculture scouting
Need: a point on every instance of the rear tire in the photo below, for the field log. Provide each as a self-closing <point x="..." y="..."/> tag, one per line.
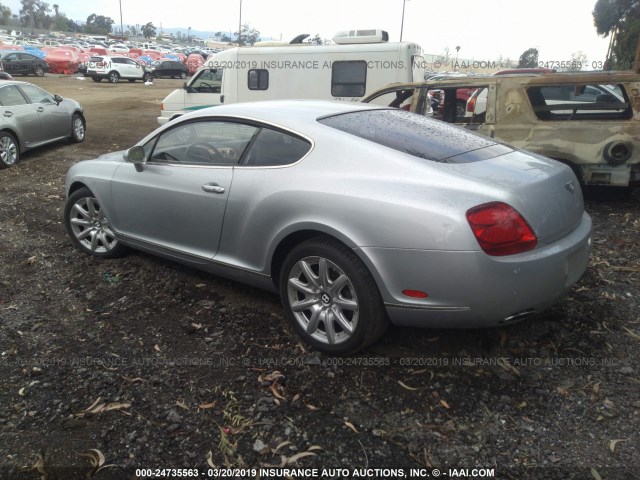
<point x="96" y="79"/>
<point x="183" y="75"/>
<point x="9" y="150"/>
<point x="331" y="298"/>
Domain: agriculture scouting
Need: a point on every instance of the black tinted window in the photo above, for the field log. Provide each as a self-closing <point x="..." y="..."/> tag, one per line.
<point x="258" y="79"/>
<point x="349" y="79"/>
<point x="272" y="147"/>
<point x="416" y="135"/>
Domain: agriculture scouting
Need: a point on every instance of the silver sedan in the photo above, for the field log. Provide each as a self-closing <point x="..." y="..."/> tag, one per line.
<point x="357" y="215"/>
<point x="32" y="117"/>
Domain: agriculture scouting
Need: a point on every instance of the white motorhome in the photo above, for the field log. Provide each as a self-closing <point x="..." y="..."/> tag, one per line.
<point x="360" y="62"/>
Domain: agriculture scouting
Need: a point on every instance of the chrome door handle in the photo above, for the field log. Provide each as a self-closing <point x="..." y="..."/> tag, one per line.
<point x="40" y="109"/>
<point x="213" y="188"/>
<point x="8" y="114"/>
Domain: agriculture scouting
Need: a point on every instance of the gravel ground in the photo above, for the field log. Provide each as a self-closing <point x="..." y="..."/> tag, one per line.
<point x="139" y="363"/>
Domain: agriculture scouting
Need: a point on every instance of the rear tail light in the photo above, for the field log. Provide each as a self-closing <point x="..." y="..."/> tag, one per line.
<point x="500" y="229"/>
<point x="471" y="103"/>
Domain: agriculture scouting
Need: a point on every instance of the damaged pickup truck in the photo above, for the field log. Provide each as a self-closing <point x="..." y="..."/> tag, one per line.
<point x="588" y="120"/>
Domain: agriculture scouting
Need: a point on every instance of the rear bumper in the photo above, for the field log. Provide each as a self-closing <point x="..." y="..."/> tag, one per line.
<point x="468" y="289"/>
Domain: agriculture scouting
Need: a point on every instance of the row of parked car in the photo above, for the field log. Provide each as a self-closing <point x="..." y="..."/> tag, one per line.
<point x="114" y="68"/>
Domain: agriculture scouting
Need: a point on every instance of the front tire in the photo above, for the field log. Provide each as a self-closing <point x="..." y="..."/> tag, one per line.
<point x="114" y="77"/>
<point x="9" y="150"/>
<point x="330" y="297"/>
<point x="183" y="75"/>
<point x="38" y="71"/>
<point x="78" y="128"/>
<point x="88" y="226"/>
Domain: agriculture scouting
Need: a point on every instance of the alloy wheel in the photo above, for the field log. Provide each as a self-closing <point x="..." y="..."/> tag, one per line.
<point x="90" y="227"/>
<point x="323" y="300"/>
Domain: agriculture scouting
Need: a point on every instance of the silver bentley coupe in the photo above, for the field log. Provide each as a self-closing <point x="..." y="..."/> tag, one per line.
<point x="357" y="215"/>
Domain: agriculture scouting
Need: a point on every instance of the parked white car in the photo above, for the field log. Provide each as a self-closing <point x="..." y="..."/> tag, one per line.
<point x="114" y="68"/>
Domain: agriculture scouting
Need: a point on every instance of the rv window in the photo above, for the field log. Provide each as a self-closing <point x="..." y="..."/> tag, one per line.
<point x="258" y="79"/>
<point x="349" y="78"/>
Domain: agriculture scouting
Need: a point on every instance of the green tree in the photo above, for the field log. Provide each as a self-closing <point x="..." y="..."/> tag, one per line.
<point x="248" y="35"/>
<point x="5" y="14"/>
<point x="73" y="26"/>
<point x="621" y="20"/>
<point x="529" y="58"/>
<point x="60" y="22"/>
<point x="28" y="12"/>
<point x="148" y="30"/>
<point x="317" y="40"/>
<point x="43" y="19"/>
<point x="98" y="24"/>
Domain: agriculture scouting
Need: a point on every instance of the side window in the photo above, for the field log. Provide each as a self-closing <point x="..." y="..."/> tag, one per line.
<point x="209" y="81"/>
<point x="37" y="95"/>
<point x="208" y="142"/>
<point x="400" y="98"/>
<point x="349" y="78"/>
<point x="272" y="147"/>
<point x="579" y="102"/>
<point x="258" y="79"/>
<point x="460" y="105"/>
<point x="10" y="96"/>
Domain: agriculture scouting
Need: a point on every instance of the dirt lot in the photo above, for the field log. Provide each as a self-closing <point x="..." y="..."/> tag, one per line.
<point x="153" y="365"/>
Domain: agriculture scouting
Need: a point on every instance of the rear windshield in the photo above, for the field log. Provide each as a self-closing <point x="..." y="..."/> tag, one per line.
<point x="416" y="135"/>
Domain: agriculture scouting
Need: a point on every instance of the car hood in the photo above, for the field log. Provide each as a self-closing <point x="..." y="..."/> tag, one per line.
<point x="544" y="191"/>
<point x="117" y="156"/>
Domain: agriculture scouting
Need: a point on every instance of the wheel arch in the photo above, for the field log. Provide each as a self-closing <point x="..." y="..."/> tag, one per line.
<point x="292" y="239"/>
<point x="75" y="186"/>
<point x="16" y="136"/>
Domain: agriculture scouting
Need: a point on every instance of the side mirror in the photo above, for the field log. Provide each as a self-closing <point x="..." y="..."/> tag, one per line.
<point x="135" y="155"/>
<point x="58" y="99"/>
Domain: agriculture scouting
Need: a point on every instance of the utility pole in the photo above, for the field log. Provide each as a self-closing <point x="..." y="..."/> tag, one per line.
<point x="121" y="29"/>
<point x="240" y="26"/>
<point x="636" y="64"/>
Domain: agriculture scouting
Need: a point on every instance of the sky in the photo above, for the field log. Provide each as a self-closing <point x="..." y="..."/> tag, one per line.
<point x="483" y="29"/>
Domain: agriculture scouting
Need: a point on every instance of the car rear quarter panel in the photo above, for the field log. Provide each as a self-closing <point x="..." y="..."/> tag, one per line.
<point x="363" y="194"/>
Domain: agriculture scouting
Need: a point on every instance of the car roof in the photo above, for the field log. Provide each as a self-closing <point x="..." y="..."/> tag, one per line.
<point x="599" y="77"/>
<point x="13" y="82"/>
<point x="287" y="113"/>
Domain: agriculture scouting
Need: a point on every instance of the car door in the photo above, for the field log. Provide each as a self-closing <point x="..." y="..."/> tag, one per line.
<point x="12" y="64"/>
<point x="204" y="90"/>
<point x="20" y="115"/>
<point x="134" y="69"/>
<point x="55" y="119"/>
<point x="27" y="63"/>
<point x="177" y="200"/>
